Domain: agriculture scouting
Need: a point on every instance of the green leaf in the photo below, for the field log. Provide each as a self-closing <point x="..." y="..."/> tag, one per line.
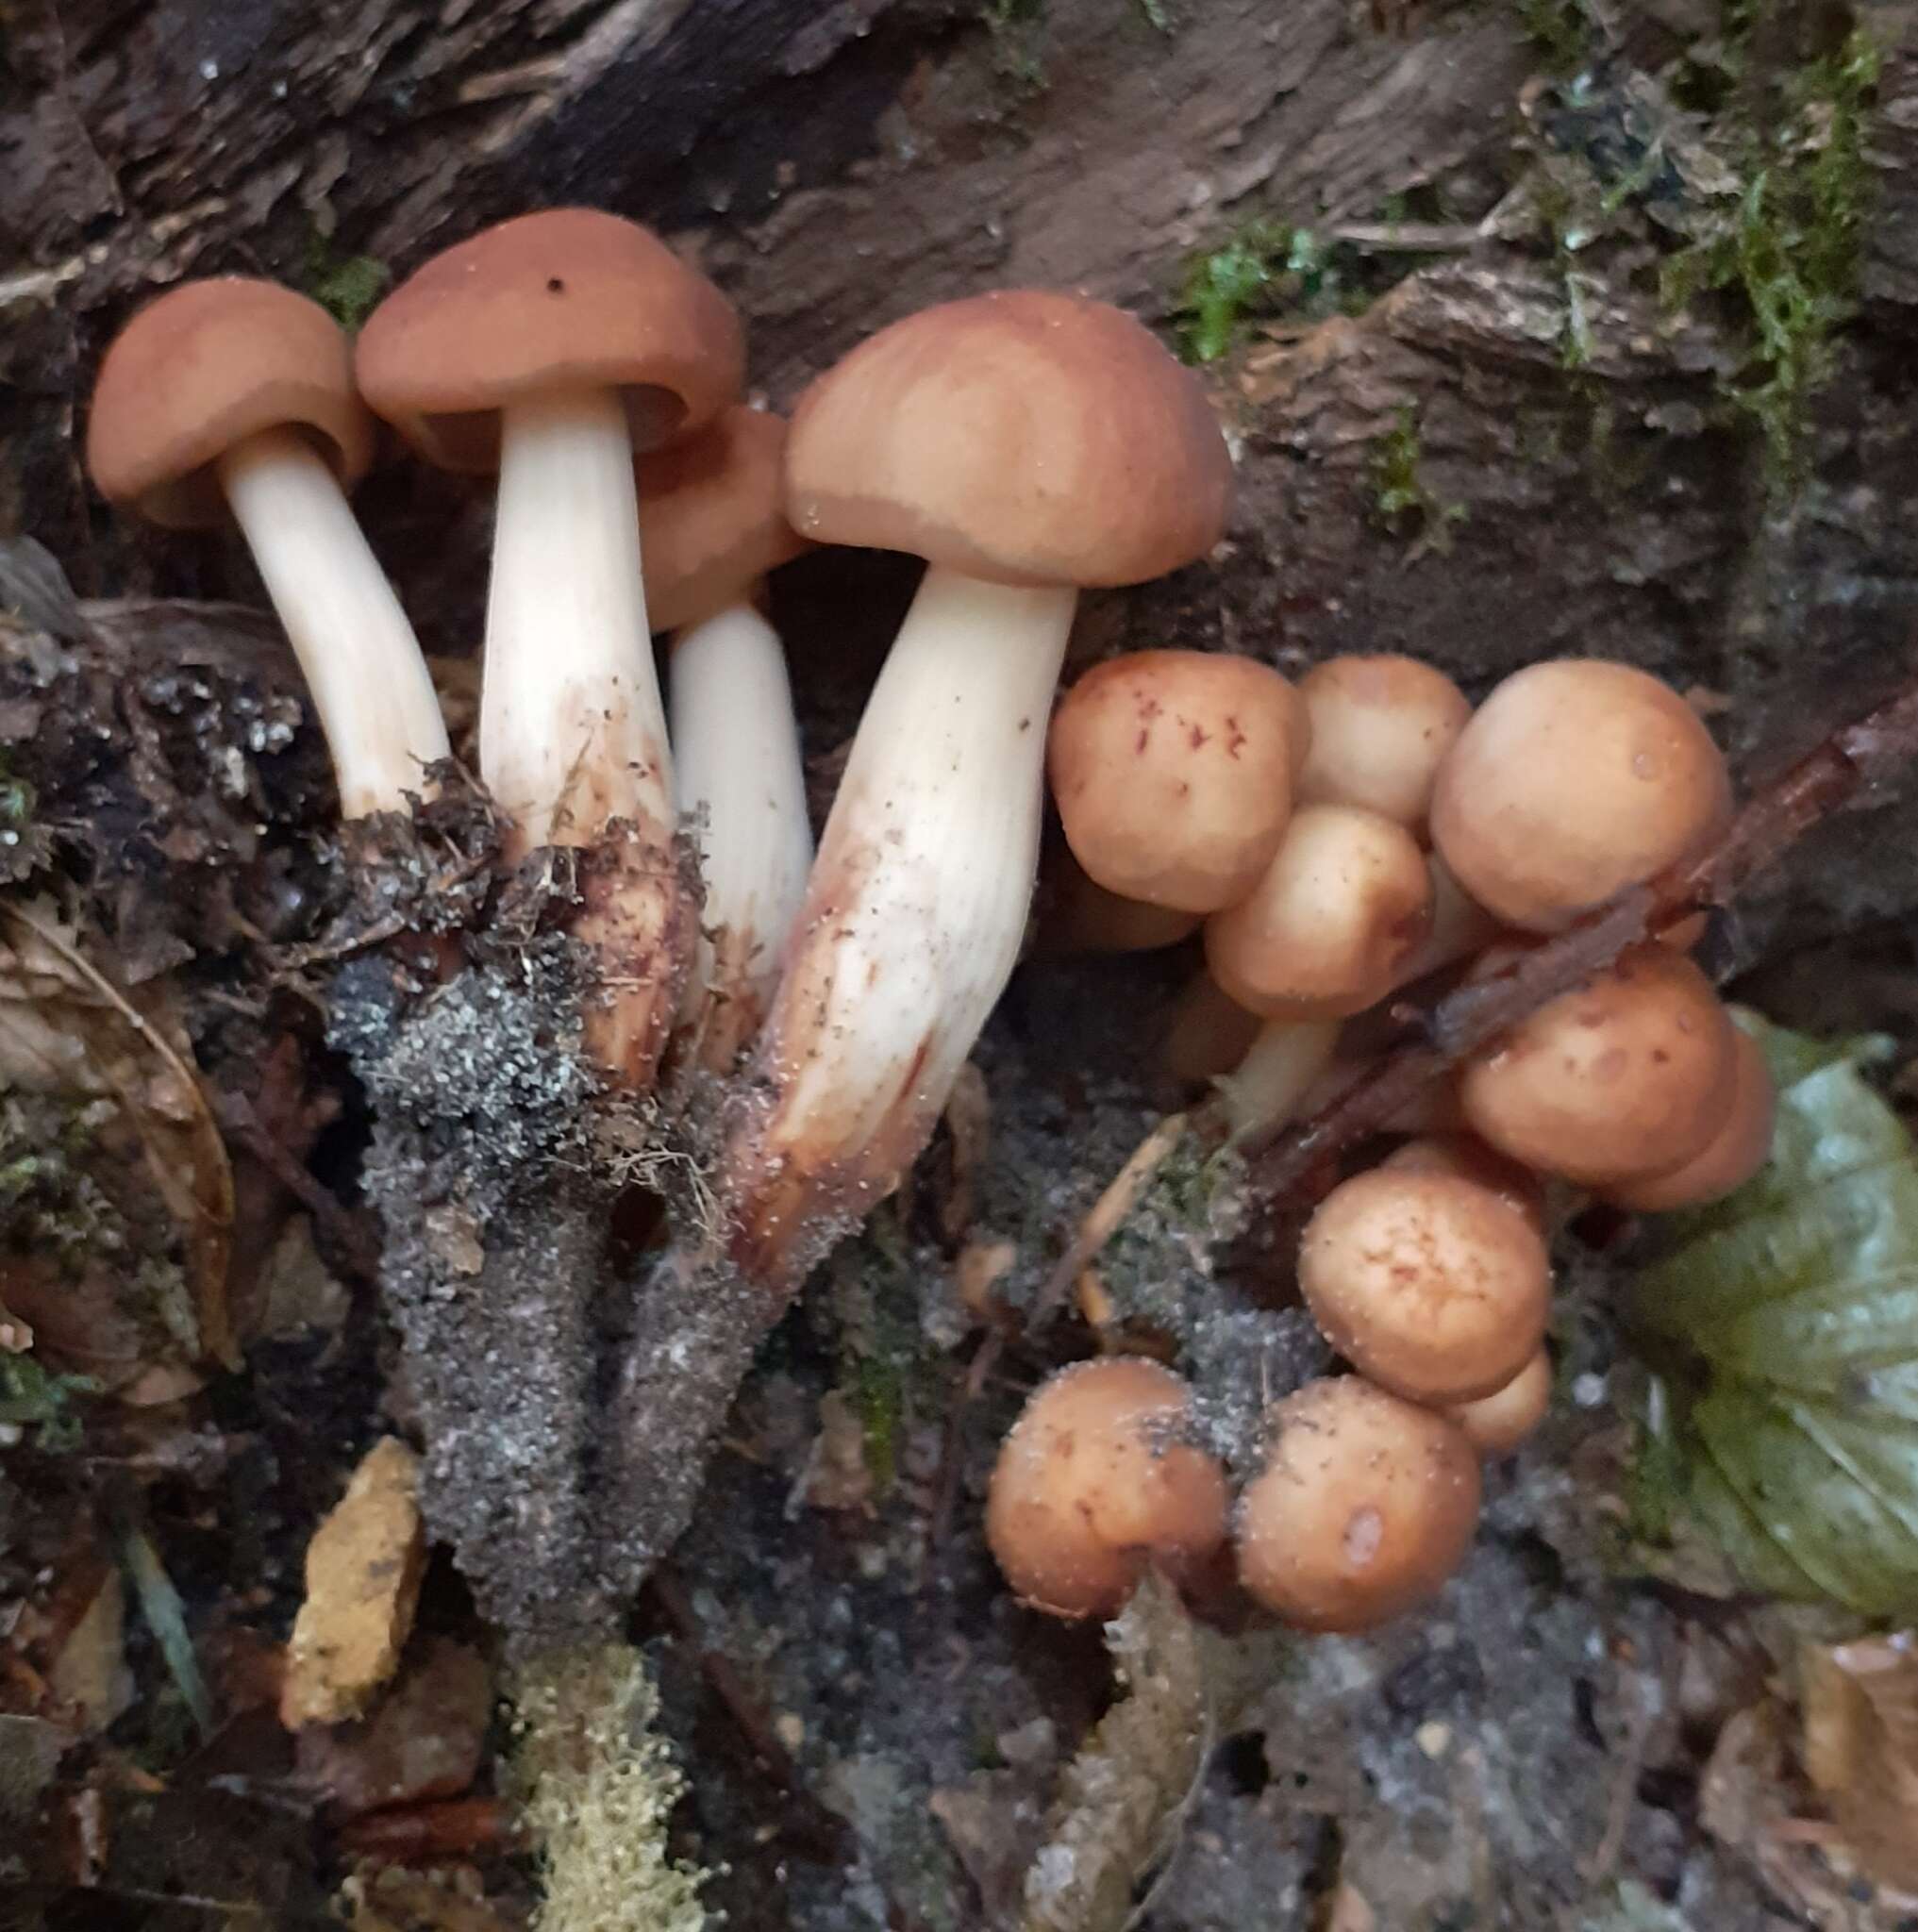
<point x="1784" y="1324"/>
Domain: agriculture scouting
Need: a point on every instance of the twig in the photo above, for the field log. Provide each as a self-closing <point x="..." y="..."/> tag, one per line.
<point x="352" y="1232"/>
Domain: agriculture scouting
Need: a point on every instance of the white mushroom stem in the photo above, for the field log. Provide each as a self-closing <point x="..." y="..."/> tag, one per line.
<point x="736" y="763"/>
<point x="369" y="682"/>
<point x="1284" y="1061"/>
<point x="571" y="726"/>
<point x="913" y="914"/>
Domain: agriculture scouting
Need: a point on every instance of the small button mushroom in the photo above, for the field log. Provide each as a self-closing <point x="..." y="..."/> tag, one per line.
<point x="1629" y="1074"/>
<point x="713" y="524"/>
<point x="1469" y="1158"/>
<point x="1366" y="1506"/>
<point x="550" y="348"/>
<point x="1174" y="774"/>
<point x="1495" y="1424"/>
<point x="1026" y="444"/>
<point x="1099" y="1477"/>
<point x="236" y="396"/>
<point x="1732" y="1155"/>
<point x="1076" y="914"/>
<point x="1381" y="728"/>
<point x="1427" y="1283"/>
<point x="1575" y="780"/>
<point x="1329" y="926"/>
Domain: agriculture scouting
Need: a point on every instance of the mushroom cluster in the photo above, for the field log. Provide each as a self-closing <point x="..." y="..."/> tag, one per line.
<point x="1341" y="842"/>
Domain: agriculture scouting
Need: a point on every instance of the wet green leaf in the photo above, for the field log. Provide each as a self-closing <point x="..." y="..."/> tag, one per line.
<point x="1784" y="1324"/>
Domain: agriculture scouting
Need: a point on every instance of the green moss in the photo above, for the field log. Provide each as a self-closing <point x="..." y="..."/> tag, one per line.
<point x="1787" y="253"/>
<point x="347" y="287"/>
<point x="1017" y="28"/>
<point x="879" y="1392"/>
<point x="31" y="1398"/>
<point x="1266" y="266"/>
<point x="1402" y="501"/>
<point x="1557" y="30"/>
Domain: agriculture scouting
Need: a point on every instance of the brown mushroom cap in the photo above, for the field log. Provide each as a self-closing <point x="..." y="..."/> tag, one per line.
<point x="1381" y="728"/>
<point x="1729" y="1158"/>
<point x="1098" y="1478"/>
<point x="1023" y="437"/>
<point x="1427" y="1283"/>
<point x="713" y="516"/>
<point x="1332" y="921"/>
<point x="1173" y="771"/>
<point x="1495" y="1424"/>
<point x="1469" y="1158"/>
<point x="570" y="299"/>
<point x="204" y="367"/>
<point x="1629" y="1074"/>
<point x="1366" y="1504"/>
<point x="1076" y="914"/>
<point x="1575" y="780"/>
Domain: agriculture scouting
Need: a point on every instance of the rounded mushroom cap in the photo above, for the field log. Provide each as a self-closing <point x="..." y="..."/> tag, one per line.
<point x="1095" y="1479"/>
<point x="1741" y="1146"/>
<point x="1575" y="780"/>
<point x="1331" y="922"/>
<point x="713" y="516"/>
<point x="1366" y="1504"/>
<point x="1426" y="1282"/>
<point x="1381" y="728"/>
<point x="1469" y="1158"/>
<point x="202" y="368"/>
<point x="1629" y="1074"/>
<point x="1173" y="772"/>
<point x="1022" y="437"/>
<point x="1495" y="1424"/>
<point x="570" y="299"/>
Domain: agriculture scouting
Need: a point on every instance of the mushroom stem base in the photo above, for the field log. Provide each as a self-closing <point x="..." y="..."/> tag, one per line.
<point x="369" y="683"/>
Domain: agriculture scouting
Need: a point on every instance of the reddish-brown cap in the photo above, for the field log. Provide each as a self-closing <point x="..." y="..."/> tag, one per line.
<point x="204" y="367"/>
<point x="713" y="516"/>
<point x="1729" y="1158"/>
<point x="569" y="299"/>
<point x="1022" y="437"/>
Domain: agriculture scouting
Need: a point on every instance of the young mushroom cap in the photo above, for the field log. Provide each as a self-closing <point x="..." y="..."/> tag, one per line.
<point x="1076" y="914"/>
<point x="202" y="369"/>
<point x="1575" y="779"/>
<point x="1329" y="926"/>
<point x="1366" y="1506"/>
<point x="1098" y="1478"/>
<point x="570" y="299"/>
<point x="1173" y="773"/>
<point x="1467" y="1158"/>
<point x="1381" y="726"/>
<point x="1732" y="1155"/>
<point x="713" y="516"/>
<point x="1629" y="1074"/>
<point x="1427" y="1283"/>
<point x="1495" y="1424"/>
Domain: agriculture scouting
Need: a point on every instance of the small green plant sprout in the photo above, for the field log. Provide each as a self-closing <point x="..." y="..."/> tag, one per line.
<point x="1786" y="249"/>
<point x="597" y="1786"/>
<point x="1558" y="29"/>
<point x="1264" y="268"/>
<point x="1403" y="501"/>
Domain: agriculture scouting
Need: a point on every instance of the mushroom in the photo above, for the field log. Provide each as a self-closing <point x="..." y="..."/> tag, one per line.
<point x="1026" y="444"/>
<point x="1330" y="925"/>
<point x="1098" y="1477"/>
<point x="713" y="524"/>
<point x="1207" y="1035"/>
<point x="1575" y="780"/>
<point x="1381" y="728"/>
<point x="1630" y="1074"/>
<point x="1076" y="914"/>
<point x="1733" y="1155"/>
<point x="1466" y="1158"/>
<point x="236" y="396"/>
<point x="550" y="348"/>
<point x="1495" y="1424"/>
<point x="1366" y="1506"/>
<point x="1173" y="773"/>
<point x="1427" y="1283"/>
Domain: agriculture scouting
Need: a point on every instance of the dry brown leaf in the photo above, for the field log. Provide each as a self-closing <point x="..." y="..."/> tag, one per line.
<point x="1861" y="1748"/>
<point x="90" y="1677"/>
<point x="65" y="1029"/>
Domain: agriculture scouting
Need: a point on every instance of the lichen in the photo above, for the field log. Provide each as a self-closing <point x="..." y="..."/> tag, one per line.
<point x="597" y="1784"/>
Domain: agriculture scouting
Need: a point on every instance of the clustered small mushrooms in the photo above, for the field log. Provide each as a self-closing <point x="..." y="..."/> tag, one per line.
<point x="1329" y="843"/>
<point x="1416" y="834"/>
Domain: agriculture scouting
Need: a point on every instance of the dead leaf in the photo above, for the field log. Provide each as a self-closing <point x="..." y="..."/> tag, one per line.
<point x="1861" y="1748"/>
<point x="90" y="1677"/>
<point x="363" y="1570"/>
<point x="65" y="1029"/>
